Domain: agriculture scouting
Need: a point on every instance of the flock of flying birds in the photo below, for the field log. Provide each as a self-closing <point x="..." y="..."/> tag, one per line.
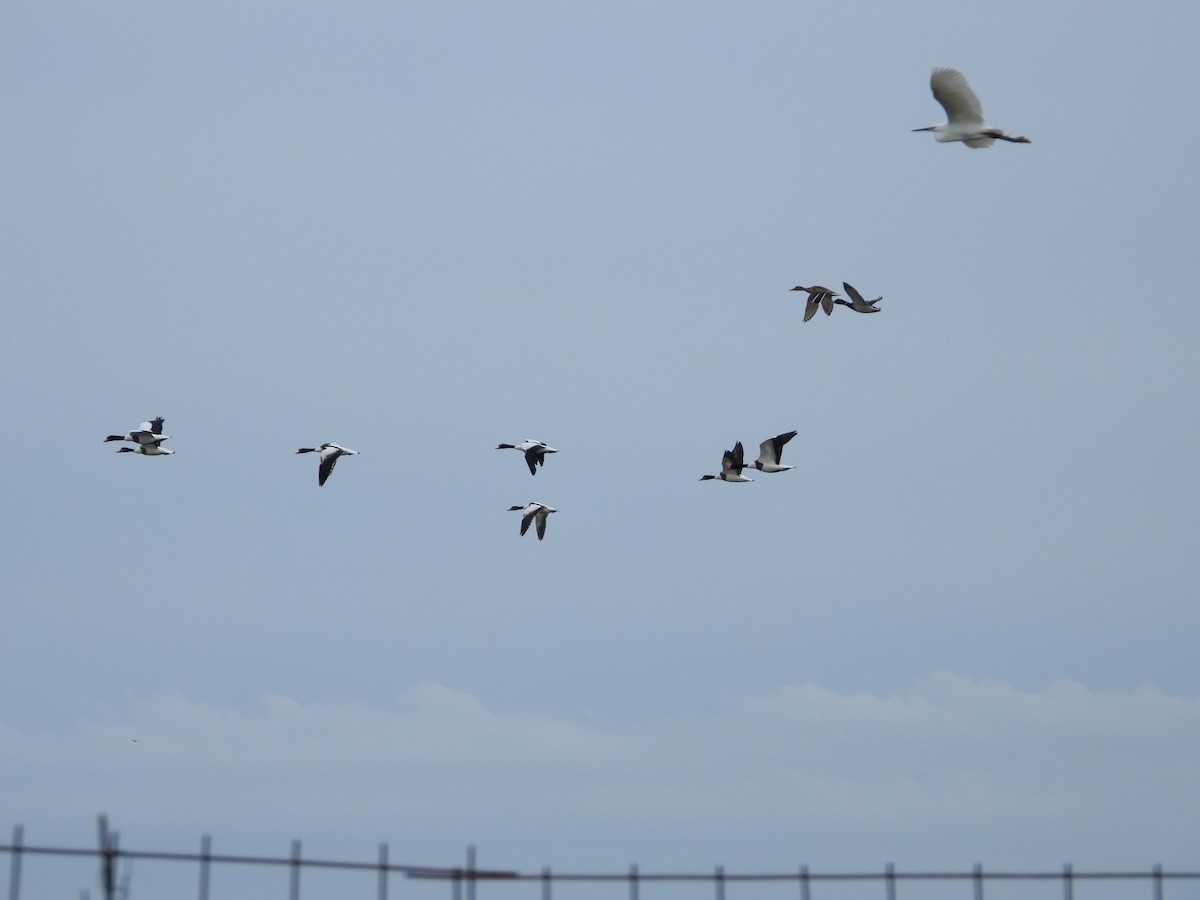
<point x="965" y="123"/>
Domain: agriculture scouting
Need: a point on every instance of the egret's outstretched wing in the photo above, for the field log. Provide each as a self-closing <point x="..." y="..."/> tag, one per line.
<point x="951" y="90"/>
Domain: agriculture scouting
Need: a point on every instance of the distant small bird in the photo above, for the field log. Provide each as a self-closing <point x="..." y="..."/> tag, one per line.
<point x="330" y="454"/>
<point x="147" y="450"/>
<point x="817" y="297"/>
<point x="535" y="452"/>
<point x="964" y="112"/>
<point x="533" y="512"/>
<point x="856" y="301"/>
<point x="146" y="433"/>
<point x="769" y="452"/>
<point x="732" y="463"/>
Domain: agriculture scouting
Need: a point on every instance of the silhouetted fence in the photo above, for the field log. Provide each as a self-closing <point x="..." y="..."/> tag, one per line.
<point x="463" y="881"/>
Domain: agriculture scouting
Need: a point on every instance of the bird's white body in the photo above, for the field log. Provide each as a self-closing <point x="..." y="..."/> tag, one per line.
<point x="732" y="463"/>
<point x="330" y="454"/>
<point x="857" y="302"/>
<point x="534" y="512"/>
<point x="770" y="451"/>
<point x="964" y="113"/>
<point x="535" y="452"/>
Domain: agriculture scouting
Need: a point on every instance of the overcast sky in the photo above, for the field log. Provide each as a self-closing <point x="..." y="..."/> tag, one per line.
<point x="962" y="629"/>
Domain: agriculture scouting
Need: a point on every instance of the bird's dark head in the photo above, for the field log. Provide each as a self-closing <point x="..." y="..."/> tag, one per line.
<point x="707" y="477"/>
<point x="127" y="450"/>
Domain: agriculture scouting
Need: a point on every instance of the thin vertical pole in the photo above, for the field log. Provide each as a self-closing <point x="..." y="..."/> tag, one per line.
<point x="205" y="857"/>
<point x="107" y="879"/>
<point x="633" y="882"/>
<point x="889" y="873"/>
<point x="456" y="885"/>
<point x="14" y="863"/>
<point x="294" y="880"/>
<point x="1068" y="883"/>
<point x="977" y="876"/>
<point x="547" y="883"/>
<point x="719" y="882"/>
<point x="805" y="886"/>
<point x="383" y="871"/>
<point x="471" y="872"/>
<point x="1158" y="893"/>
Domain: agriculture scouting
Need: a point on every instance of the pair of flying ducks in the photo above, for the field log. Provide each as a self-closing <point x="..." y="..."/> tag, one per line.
<point x="770" y="453"/>
<point x="825" y="298"/>
<point x="533" y="512"/>
<point x="147" y="439"/>
<point x="535" y="455"/>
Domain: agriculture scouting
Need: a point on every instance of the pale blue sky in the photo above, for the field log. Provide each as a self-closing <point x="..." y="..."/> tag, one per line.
<point x="962" y="629"/>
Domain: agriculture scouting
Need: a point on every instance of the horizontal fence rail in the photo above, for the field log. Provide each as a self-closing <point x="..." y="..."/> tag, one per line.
<point x="109" y="854"/>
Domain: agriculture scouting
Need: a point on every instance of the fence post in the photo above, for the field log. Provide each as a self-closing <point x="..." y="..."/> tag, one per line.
<point x="889" y="875"/>
<point x="18" y="833"/>
<point x="1068" y="883"/>
<point x="719" y="881"/>
<point x="14" y="863"/>
<point x="1158" y="895"/>
<point x="977" y="876"/>
<point x="294" y="880"/>
<point x="633" y="882"/>
<point x="546" y="883"/>
<point x="205" y="854"/>
<point x="383" y="871"/>
<point x="107" y="877"/>
<point x="456" y="885"/>
<point x="805" y="889"/>
<point x="471" y="872"/>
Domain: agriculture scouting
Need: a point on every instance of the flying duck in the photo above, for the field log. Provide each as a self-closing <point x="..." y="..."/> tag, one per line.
<point x="535" y="452"/>
<point x="330" y="453"/>
<point x="856" y="301"/>
<point x="534" y="511"/>
<point x="154" y="449"/>
<point x="769" y="452"/>
<point x="146" y="433"/>
<point x="731" y="466"/>
<point x="817" y="296"/>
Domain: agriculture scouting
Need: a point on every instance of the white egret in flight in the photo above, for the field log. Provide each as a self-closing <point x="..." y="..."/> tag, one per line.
<point x="965" y="113"/>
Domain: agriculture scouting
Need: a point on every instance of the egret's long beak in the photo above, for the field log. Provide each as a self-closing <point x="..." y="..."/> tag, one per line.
<point x="930" y="128"/>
